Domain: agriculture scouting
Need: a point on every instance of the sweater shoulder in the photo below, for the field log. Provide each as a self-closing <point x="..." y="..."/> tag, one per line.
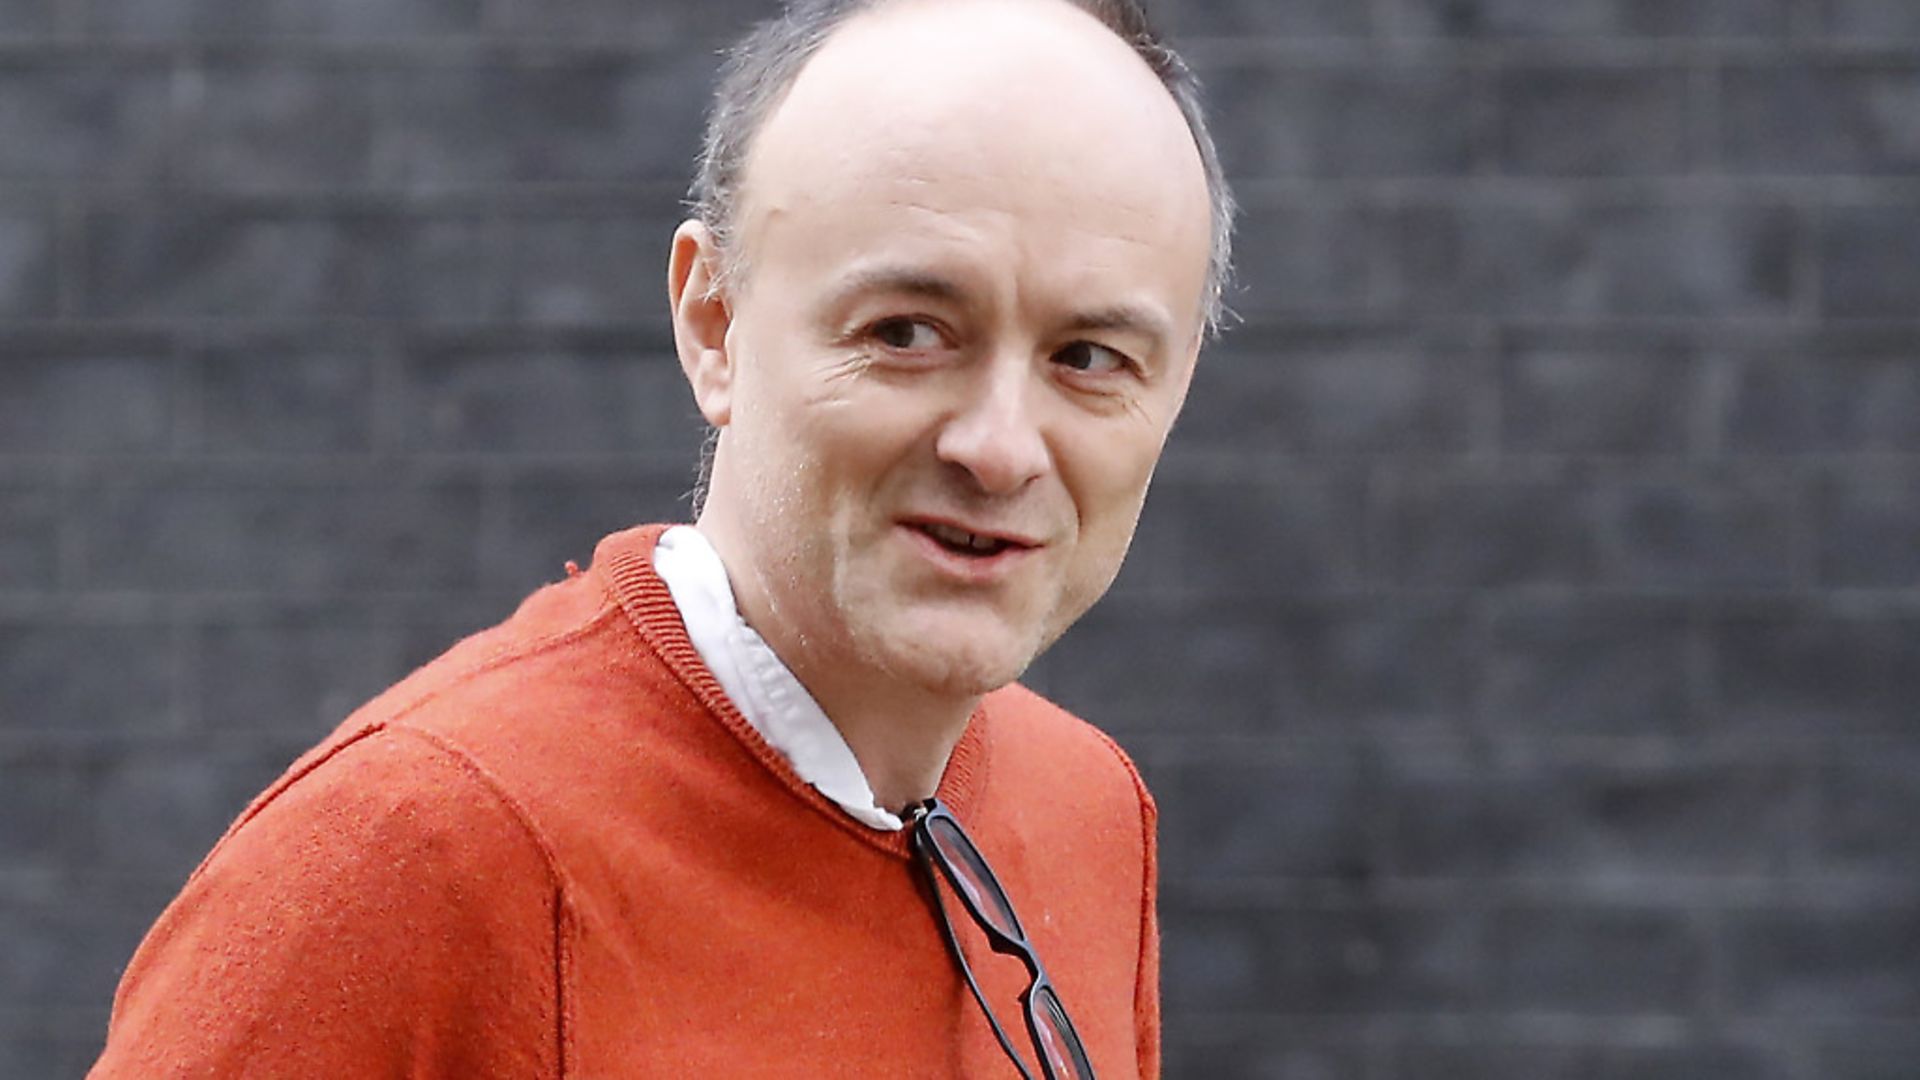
<point x="545" y="678"/>
<point x="384" y="794"/>
<point x="1050" y="748"/>
<point x="357" y="916"/>
<point x="1026" y="717"/>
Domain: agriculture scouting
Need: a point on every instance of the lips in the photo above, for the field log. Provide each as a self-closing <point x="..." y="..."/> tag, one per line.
<point x="961" y="540"/>
<point x="970" y="541"/>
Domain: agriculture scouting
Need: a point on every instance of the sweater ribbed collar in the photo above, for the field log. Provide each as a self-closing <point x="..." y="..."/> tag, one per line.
<point x="624" y="563"/>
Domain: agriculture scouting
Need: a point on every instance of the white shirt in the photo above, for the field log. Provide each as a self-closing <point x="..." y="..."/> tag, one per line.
<point x="766" y="693"/>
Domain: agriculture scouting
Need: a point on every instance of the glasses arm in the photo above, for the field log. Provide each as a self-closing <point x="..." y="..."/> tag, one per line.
<point x="920" y="845"/>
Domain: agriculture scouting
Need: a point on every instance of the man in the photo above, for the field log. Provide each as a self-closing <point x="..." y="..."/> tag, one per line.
<point x="698" y="811"/>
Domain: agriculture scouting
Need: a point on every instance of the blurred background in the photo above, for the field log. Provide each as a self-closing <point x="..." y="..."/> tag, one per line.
<point x="1523" y="636"/>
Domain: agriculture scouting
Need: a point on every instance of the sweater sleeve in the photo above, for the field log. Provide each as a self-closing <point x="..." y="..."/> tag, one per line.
<point x="384" y="913"/>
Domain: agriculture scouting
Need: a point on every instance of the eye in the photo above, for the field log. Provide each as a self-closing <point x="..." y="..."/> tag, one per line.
<point x="906" y="335"/>
<point x="1093" y="358"/>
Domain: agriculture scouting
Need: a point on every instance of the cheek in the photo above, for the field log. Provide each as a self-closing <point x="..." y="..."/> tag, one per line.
<point x="862" y="437"/>
<point x="1106" y="474"/>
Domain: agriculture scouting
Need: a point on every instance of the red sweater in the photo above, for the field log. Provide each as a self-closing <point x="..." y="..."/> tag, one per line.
<point x="559" y="850"/>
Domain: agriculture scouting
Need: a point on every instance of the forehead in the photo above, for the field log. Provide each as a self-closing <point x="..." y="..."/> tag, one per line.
<point x="937" y="120"/>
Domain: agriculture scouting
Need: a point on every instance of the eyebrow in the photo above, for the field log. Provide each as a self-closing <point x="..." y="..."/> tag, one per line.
<point x="907" y="280"/>
<point x="1126" y="319"/>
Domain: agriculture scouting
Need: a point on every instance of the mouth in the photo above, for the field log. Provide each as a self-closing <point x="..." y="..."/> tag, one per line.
<point x="969" y="543"/>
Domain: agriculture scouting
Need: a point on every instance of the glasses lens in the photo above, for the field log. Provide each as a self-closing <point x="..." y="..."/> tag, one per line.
<point x="973" y="877"/>
<point x="1066" y="1058"/>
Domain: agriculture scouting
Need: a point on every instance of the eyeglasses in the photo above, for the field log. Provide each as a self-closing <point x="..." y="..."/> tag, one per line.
<point x="938" y="840"/>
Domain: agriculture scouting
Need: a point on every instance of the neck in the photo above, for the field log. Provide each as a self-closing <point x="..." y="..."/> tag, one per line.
<point x="901" y="733"/>
<point x="902" y="736"/>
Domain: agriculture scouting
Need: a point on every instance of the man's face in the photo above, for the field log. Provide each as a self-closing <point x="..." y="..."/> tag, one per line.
<point x="974" y="244"/>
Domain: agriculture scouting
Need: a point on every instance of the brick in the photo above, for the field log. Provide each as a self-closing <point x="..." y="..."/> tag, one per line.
<point x="602" y="20"/>
<point x="68" y="399"/>
<point x="1565" y="120"/>
<point x="1264" y="666"/>
<point x="1384" y="958"/>
<point x="37" y="1051"/>
<point x="1869" y="799"/>
<point x="29" y="538"/>
<point x="1384" y="119"/>
<point x="626" y="396"/>
<point x="1597" y="18"/>
<point x="38" y="800"/>
<point x="263" y="533"/>
<point x="1321" y="962"/>
<point x="1303" y="257"/>
<point x="1219" y="959"/>
<point x="583" y="270"/>
<point x="1822" y="399"/>
<point x="60" y="679"/>
<point x="1598" y="829"/>
<point x="1275" y="534"/>
<point x="83" y="120"/>
<point x="1373" y="664"/>
<point x="1261" y="392"/>
<point x="554" y="515"/>
<point x="1817" y="668"/>
<point x="1278" y="1053"/>
<point x="27" y="18"/>
<point x="1545" y="256"/>
<point x="1593" y="962"/>
<point x="1876" y="1054"/>
<point x="1868" y="522"/>
<point x="609" y="120"/>
<point x="285" y="395"/>
<point x="321" y="18"/>
<point x="252" y="124"/>
<point x="27" y="269"/>
<point x="1300" y="816"/>
<point x="296" y="674"/>
<point x="199" y="260"/>
<point x="63" y="955"/>
<point x="1424" y="1060"/>
<point x="434" y="629"/>
<point x="1183" y="20"/>
<point x="1118" y="667"/>
<point x="1557" y="400"/>
<point x="159" y="811"/>
<point x="1700" y="531"/>
<point x="455" y="269"/>
<point x="1484" y="527"/>
<point x="1876" y="20"/>
<point x="1869" y="262"/>
<point x="1589" y="668"/>
<point x="1820" y="119"/>
<point x="1825" y="963"/>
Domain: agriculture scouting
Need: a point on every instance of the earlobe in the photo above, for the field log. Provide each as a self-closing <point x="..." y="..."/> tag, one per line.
<point x="702" y="315"/>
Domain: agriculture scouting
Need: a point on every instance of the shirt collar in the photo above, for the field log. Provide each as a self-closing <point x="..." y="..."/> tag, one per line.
<point x="769" y="695"/>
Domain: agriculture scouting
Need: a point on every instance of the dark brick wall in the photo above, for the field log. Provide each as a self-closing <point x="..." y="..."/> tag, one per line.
<point x="1523" y="638"/>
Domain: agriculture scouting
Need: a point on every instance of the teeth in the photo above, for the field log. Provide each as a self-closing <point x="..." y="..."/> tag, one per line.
<point x="962" y="538"/>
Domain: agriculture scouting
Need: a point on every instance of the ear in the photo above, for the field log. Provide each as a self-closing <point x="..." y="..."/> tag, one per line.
<point x="701" y="319"/>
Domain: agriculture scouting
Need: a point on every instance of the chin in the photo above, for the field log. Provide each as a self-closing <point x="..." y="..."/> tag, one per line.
<point x="958" y="658"/>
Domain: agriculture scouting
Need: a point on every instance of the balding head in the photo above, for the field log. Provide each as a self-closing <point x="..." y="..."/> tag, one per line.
<point x="763" y="66"/>
<point x="1025" y="111"/>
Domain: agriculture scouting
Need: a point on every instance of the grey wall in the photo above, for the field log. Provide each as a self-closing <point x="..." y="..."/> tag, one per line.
<point x="1523" y="637"/>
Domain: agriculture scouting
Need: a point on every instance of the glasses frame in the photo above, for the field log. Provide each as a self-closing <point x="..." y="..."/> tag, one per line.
<point x="1010" y="940"/>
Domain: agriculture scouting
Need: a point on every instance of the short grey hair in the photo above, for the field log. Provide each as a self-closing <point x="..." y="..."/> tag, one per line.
<point x="761" y="68"/>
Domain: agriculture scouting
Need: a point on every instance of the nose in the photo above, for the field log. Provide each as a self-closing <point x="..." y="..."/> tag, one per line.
<point x="995" y="435"/>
